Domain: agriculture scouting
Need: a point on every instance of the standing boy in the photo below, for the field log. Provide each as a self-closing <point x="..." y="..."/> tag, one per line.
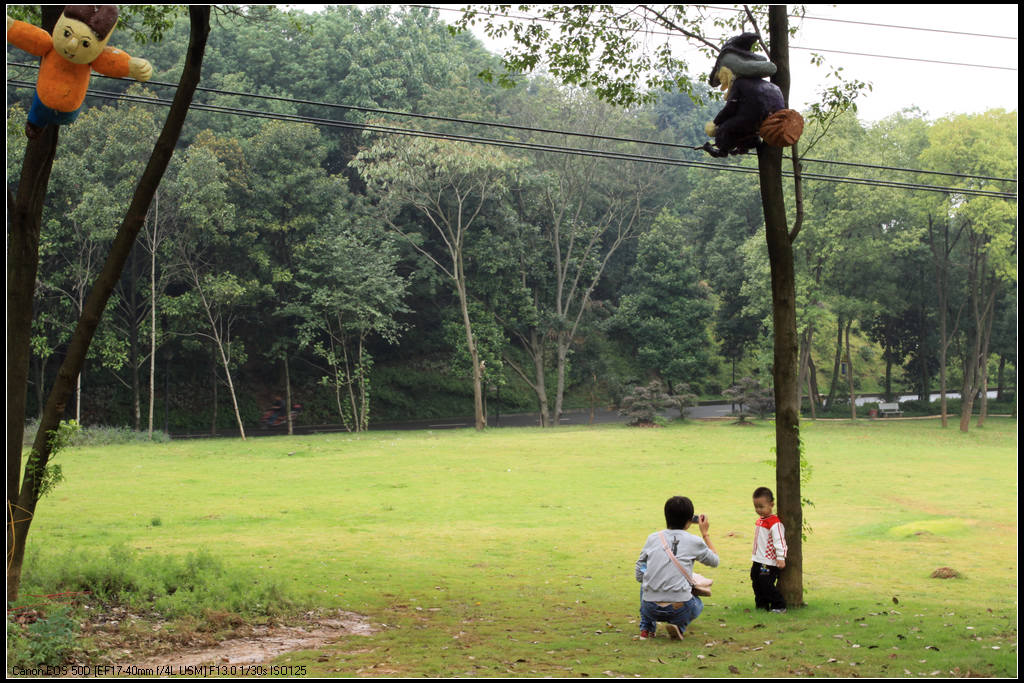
<point x="769" y="556"/>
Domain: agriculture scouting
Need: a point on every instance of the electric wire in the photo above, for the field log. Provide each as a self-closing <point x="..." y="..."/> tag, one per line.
<point x="531" y="129"/>
<point x="872" y="23"/>
<point x="604" y="154"/>
<point x="671" y="34"/>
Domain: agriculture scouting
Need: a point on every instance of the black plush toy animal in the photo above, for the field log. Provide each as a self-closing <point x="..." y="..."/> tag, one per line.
<point x="749" y="100"/>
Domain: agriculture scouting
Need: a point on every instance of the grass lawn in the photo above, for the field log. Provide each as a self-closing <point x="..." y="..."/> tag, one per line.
<point x="510" y="552"/>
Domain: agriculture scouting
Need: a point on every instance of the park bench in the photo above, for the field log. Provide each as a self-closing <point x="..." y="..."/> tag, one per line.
<point x="889" y="409"/>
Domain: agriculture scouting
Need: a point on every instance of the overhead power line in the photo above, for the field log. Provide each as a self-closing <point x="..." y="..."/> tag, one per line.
<point x="791" y="47"/>
<point x="876" y="24"/>
<point x="532" y="129"/>
<point x="621" y="156"/>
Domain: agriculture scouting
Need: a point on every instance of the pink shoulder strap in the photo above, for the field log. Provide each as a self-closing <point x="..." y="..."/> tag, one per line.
<point x="675" y="561"/>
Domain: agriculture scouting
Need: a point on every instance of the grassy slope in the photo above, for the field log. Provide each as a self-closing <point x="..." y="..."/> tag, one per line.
<point x="513" y="550"/>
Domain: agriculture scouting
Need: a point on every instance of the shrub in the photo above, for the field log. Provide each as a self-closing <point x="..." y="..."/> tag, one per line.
<point x="46" y="641"/>
<point x="684" y="398"/>
<point x="173" y="586"/>
<point x="644" y="403"/>
<point x="749" y="394"/>
<point x="98" y="435"/>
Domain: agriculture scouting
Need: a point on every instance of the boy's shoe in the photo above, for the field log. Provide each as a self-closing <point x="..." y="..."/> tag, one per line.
<point x="673" y="632"/>
<point x="644" y="635"/>
<point x="779" y="611"/>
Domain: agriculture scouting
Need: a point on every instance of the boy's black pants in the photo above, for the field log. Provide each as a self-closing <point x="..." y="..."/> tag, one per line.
<point x="764" y="578"/>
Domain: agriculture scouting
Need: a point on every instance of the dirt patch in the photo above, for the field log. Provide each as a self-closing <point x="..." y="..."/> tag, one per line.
<point x="264" y="643"/>
<point x="147" y="640"/>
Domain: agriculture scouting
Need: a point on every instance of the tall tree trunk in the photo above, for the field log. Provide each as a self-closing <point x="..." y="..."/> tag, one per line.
<point x="288" y="395"/>
<point x="152" y="315"/>
<point x="1000" y="377"/>
<point x="28" y="494"/>
<point x="833" y="387"/>
<point x="786" y="348"/>
<point x="561" y="358"/>
<point x="812" y="386"/>
<point x="24" y="214"/>
<point x="849" y="371"/>
<point x="540" y="386"/>
<point x="216" y="383"/>
<point x="474" y="356"/>
<point x="983" y="411"/>
<point x="981" y="300"/>
<point x="133" y="343"/>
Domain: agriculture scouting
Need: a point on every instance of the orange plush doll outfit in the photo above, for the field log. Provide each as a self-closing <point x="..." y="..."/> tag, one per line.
<point x="68" y="58"/>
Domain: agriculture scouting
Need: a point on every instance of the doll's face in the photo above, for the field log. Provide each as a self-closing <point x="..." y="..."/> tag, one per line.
<point x="76" y="42"/>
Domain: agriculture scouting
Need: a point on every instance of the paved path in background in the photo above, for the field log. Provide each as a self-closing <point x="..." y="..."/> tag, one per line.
<point x="572" y="417"/>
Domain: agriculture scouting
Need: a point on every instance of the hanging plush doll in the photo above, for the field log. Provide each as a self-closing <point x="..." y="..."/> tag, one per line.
<point x="78" y="45"/>
<point x="750" y="101"/>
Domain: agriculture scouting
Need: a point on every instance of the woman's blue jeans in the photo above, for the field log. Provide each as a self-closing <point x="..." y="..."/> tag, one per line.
<point x="652" y="612"/>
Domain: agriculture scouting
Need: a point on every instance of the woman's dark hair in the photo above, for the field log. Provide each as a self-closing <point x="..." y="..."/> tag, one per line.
<point x="678" y="512"/>
<point x="764" y="492"/>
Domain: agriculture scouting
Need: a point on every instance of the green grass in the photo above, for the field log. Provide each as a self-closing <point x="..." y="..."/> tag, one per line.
<point x="511" y="552"/>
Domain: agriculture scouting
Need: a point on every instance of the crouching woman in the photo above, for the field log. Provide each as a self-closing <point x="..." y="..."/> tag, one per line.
<point x="665" y="570"/>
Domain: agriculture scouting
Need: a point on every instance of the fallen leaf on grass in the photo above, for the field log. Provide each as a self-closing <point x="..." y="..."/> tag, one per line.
<point x="733" y="669"/>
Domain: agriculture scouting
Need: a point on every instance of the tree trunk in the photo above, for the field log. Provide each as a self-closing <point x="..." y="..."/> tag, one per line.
<point x="288" y="395"/>
<point x="812" y="386"/>
<point x="849" y="371"/>
<point x="540" y="386"/>
<point x="152" y="316"/>
<point x="213" y="419"/>
<point x="1000" y="377"/>
<point x="28" y="494"/>
<point x="561" y="358"/>
<point x="888" y="380"/>
<point x="24" y="214"/>
<point x="833" y="387"/>
<point x="785" y="369"/>
<point x="474" y="356"/>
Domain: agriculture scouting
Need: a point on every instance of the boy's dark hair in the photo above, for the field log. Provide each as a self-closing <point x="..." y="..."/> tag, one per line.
<point x="678" y="512"/>
<point x="100" y="18"/>
<point x="764" y="492"/>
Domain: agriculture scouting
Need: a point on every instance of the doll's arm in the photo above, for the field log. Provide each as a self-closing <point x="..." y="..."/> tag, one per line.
<point x="119" y="64"/>
<point x="29" y="38"/>
<point x="140" y="69"/>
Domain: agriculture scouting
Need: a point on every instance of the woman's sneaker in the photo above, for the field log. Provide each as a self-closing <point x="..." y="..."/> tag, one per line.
<point x="674" y="633"/>
<point x="644" y="635"/>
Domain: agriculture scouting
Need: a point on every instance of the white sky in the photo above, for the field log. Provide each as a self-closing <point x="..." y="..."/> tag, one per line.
<point x="937" y="89"/>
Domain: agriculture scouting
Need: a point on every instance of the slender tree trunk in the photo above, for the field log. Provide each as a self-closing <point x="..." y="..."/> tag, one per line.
<point x="28" y="494"/>
<point x="24" y="214"/>
<point x="983" y="412"/>
<point x="288" y="395"/>
<point x="1000" y="377"/>
<point x="221" y="346"/>
<point x="561" y="358"/>
<point x="540" y="380"/>
<point x="474" y="356"/>
<point x="833" y="387"/>
<point x="888" y="379"/>
<point x="786" y="347"/>
<point x="849" y="371"/>
<point x="812" y="387"/>
<point x="216" y="384"/>
<point x="152" y="316"/>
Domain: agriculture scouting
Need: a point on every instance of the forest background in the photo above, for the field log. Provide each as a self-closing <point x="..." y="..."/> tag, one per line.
<point x="366" y="274"/>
